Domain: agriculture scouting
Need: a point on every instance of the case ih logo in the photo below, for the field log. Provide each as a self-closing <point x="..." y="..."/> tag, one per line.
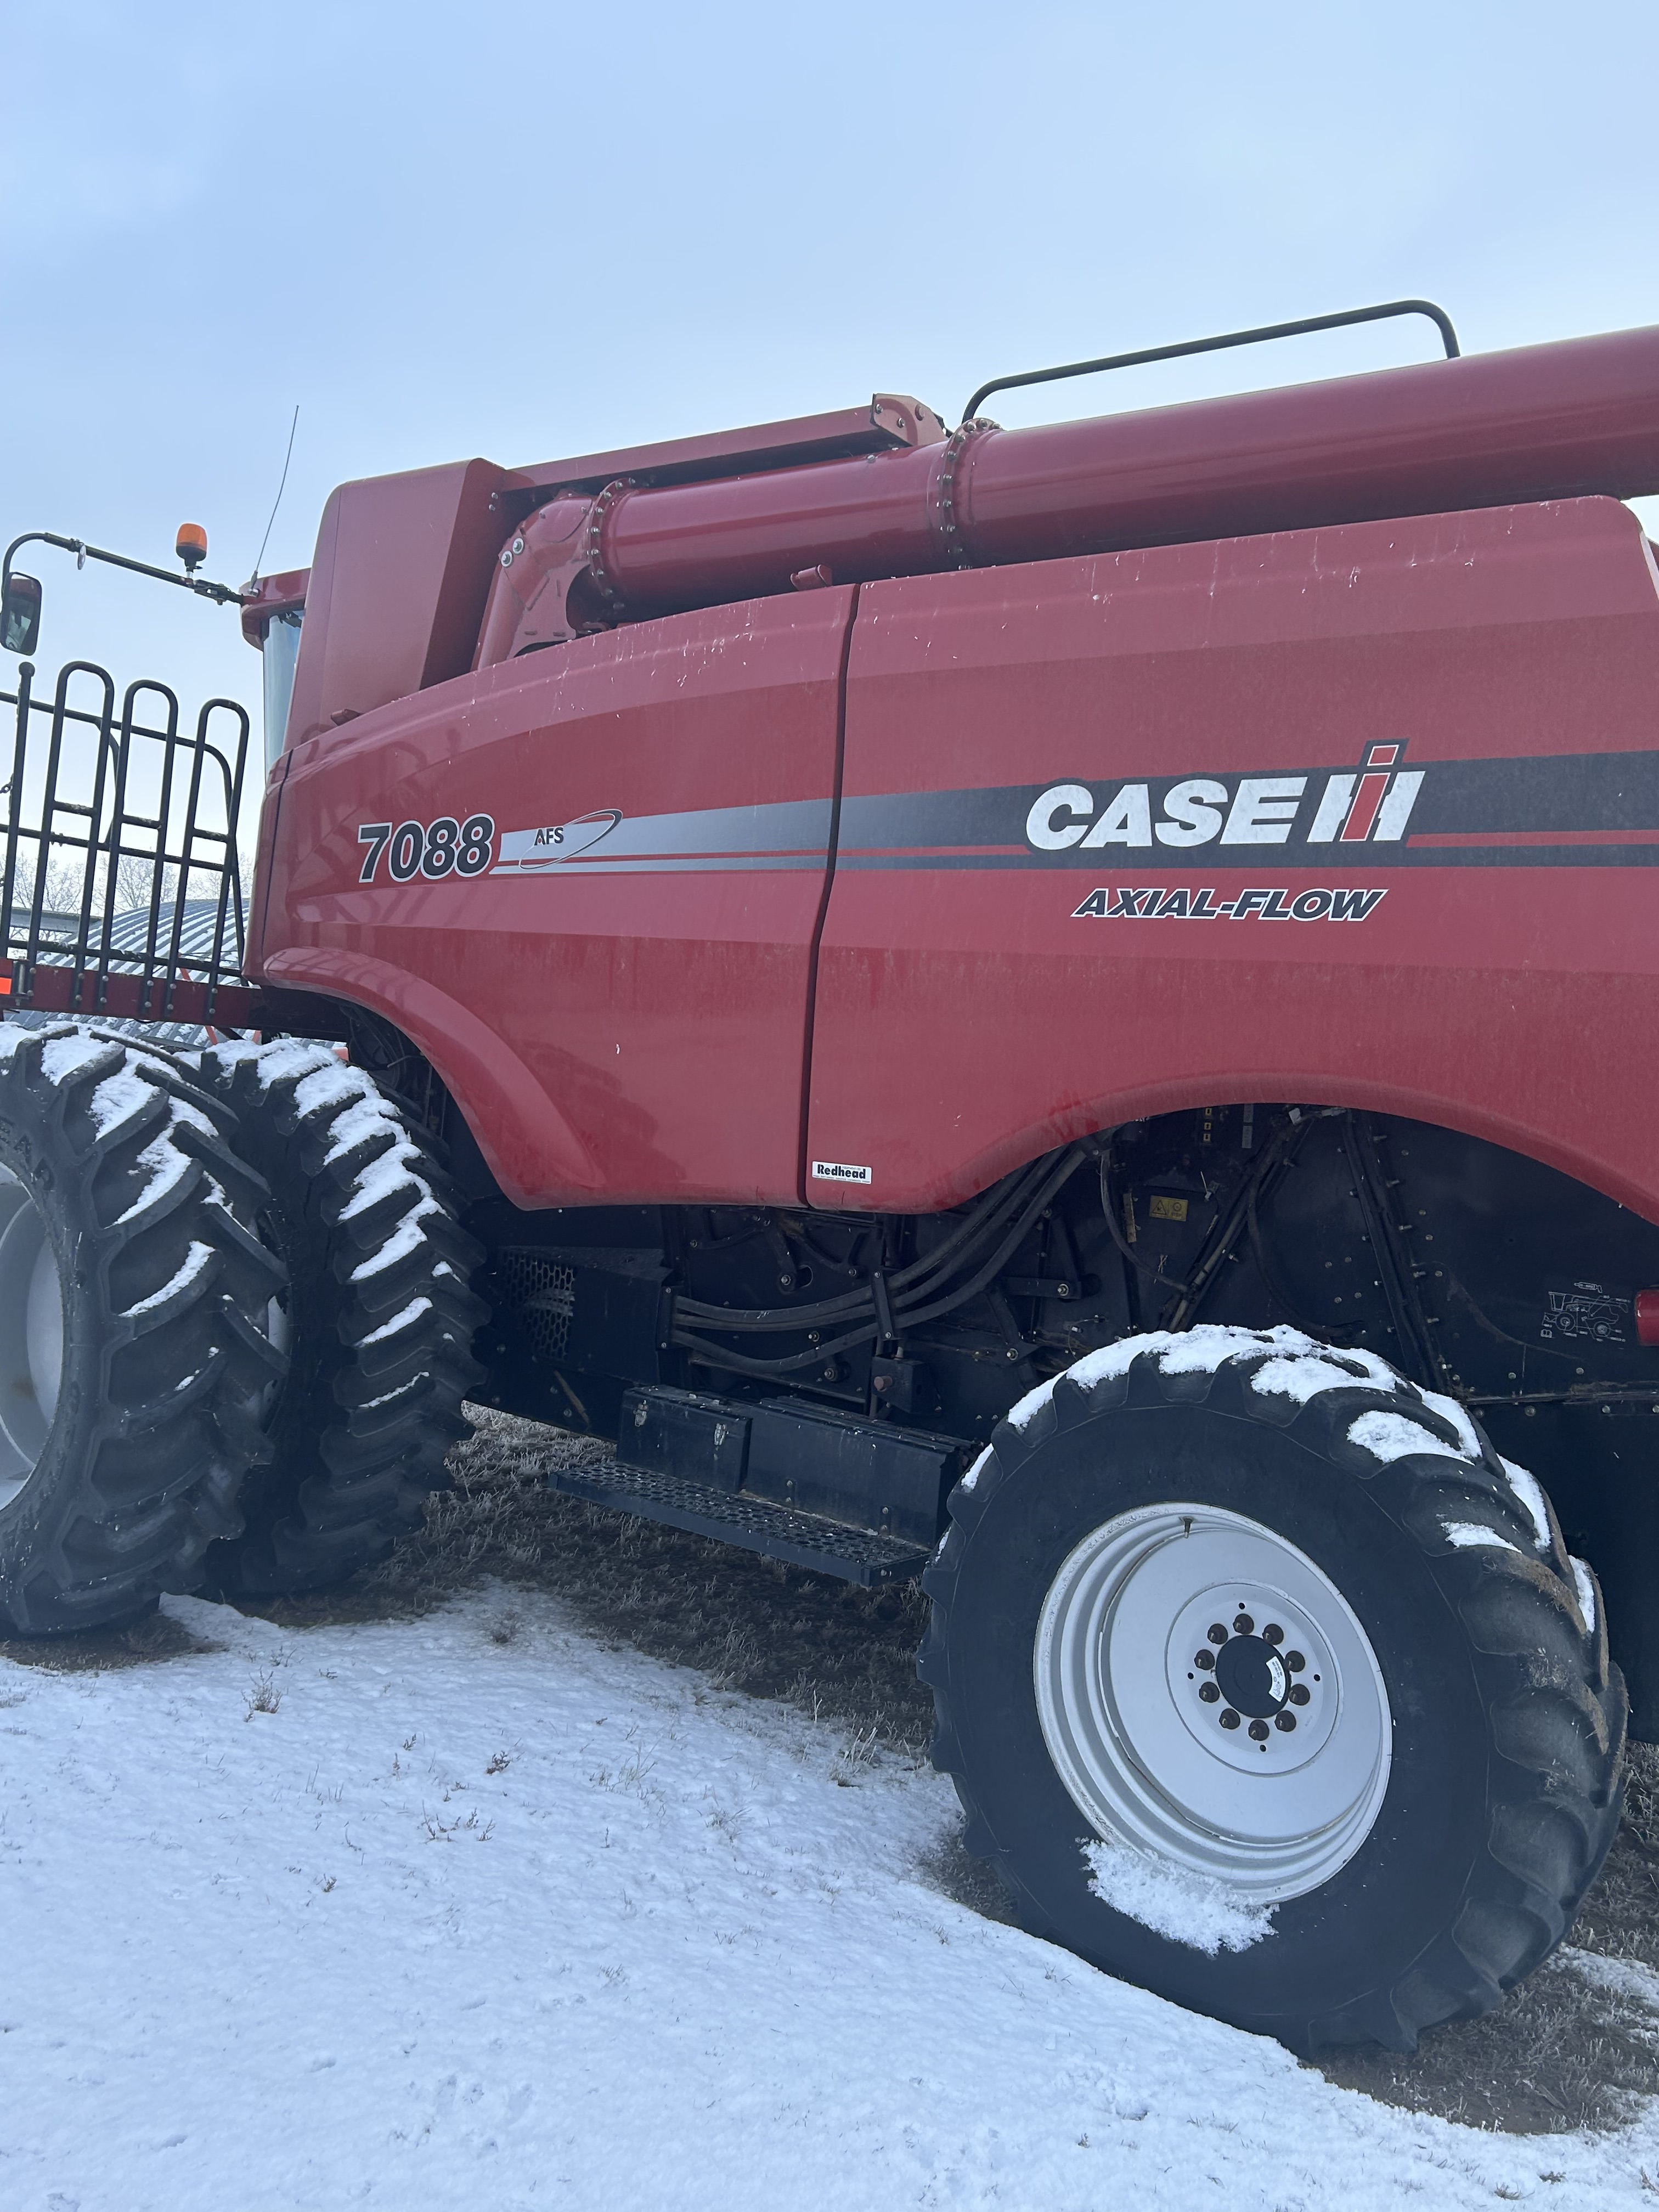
<point x="1352" y="807"/>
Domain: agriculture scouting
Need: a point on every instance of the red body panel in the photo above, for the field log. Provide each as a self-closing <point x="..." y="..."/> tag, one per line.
<point x="626" y="1018"/>
<point x="395" y="590"/>
<point x="620" y="1009"/>
<point x="1507" y="983"/>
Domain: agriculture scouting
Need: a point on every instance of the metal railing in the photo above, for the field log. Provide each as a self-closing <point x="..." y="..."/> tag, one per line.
<point x="120" y="877"/>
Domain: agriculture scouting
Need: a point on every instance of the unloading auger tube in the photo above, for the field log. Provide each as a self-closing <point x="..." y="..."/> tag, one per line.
<point x="1539" y="422"/>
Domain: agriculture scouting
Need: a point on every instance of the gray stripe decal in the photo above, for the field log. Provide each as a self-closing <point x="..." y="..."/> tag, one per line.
<point x="795" y="830"/>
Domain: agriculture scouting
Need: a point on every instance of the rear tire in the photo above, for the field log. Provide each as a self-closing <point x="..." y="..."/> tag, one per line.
<point x="1389" y="1835"/>
<point x="379" y="1317"/>
<point x="133" y="1356"/>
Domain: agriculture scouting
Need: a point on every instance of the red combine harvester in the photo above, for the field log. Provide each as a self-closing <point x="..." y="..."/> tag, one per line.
<point x="1071" y="1011"/>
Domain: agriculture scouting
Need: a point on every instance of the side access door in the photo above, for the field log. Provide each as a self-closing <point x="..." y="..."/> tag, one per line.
<point x="1366" y="817"/>
<point x="586" y="884"/>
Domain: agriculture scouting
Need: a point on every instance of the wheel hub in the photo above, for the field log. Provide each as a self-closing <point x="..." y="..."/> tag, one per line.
<point x="1251" y="1676"/>
<point x="1209" y="1697"/>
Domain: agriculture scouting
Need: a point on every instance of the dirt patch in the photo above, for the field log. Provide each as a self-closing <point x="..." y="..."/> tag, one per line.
<point x="833" y="1650"/>
<point x="1562" y="2053"/>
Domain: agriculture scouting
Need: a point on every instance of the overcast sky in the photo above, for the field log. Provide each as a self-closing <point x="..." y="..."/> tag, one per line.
<point x="522" y="230"/>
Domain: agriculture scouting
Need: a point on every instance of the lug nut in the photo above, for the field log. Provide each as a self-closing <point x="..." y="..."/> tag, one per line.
<point x="1272" y="1633"/>
<point x="1286" y="1721"/>
<point x="1300" y="1694"/>
<point x="1229" y="1719"/>
<point x="1216" y="1632"/>
<point x="1258" y="1731"/>
<point x="1209" y="1692"/>
<point x="1206" y="1659"/>
<point x="1243" y="1626"/>
<point x="1295" y="1662"/>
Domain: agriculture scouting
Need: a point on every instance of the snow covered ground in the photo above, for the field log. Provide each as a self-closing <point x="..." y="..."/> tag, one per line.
<point x="473" y="1921"/>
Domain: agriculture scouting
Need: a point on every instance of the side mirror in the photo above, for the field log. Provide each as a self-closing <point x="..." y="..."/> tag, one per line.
<point x="20" y="614"/>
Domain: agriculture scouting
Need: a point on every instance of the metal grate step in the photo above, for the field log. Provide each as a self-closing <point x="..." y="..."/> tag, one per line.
<point x="801" y="1539"/>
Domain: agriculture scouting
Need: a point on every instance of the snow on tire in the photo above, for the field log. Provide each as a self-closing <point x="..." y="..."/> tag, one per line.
<point x="379" y="1317"/>
<point x="1265" y="1682"/>
<point x="133" y="1353"/>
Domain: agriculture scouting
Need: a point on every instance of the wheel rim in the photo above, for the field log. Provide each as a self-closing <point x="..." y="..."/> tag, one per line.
<point x="31" y="1336"/>
<point x="1272" y="1801"/>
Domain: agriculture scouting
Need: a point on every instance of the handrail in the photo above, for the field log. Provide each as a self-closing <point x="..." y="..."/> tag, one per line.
<point x="1390" y="307"/>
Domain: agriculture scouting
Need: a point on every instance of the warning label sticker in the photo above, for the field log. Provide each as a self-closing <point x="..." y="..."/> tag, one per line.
<point x="1587" y="1312"/>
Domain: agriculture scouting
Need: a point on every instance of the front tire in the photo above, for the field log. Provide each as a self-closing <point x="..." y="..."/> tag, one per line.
<point x="133" y="1353"/>
<point x="1264" y="1682"/>
<point x="378" y="1318"/>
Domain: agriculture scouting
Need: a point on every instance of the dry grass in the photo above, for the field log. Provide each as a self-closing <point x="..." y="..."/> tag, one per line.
<point x="1565" y="2052"/>
<point x="155" y="1637"/>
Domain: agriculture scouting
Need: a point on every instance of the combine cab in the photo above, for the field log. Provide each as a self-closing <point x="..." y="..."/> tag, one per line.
<point x="1066" y="1011"/>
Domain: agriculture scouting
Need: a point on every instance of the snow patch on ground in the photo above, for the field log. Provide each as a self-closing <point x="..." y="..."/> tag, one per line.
<point x="1628" y="1977"/>
<point x="539" y="1924"/>
<point x="1188" y="1908"/>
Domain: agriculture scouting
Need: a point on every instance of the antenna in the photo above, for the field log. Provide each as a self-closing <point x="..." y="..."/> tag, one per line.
<point x="280" y="487"/>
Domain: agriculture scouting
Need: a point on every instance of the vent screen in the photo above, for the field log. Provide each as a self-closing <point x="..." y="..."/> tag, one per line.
<point x="543" y="1295"/>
